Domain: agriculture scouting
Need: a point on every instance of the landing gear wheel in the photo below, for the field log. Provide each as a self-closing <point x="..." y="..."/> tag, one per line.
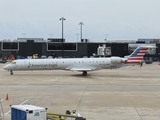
<point x="11" y="73"/>
<point x="84" y="73"/>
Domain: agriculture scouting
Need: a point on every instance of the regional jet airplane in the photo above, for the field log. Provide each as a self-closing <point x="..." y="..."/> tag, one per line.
<point x="83" y="65"/>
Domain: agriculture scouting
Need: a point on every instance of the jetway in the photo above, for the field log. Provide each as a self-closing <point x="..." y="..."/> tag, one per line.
<point x="104" y="51"/>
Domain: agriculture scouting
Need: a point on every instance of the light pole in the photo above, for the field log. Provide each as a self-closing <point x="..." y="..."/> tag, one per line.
<point x="62" y="18"/>
<point x="77" y="37"/>
<point x="81" y="23"/>
<point x="106" y="37"/>
<point x="51" y="35"/>
<point x="23" y="35"/>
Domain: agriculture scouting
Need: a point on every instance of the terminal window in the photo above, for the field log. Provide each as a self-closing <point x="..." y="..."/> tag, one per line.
<point x="10" y="46"/>
<point x="58" y="46"/>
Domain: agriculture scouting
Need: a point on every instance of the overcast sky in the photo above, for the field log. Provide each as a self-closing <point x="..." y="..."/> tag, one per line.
<point x="120" y="19"/>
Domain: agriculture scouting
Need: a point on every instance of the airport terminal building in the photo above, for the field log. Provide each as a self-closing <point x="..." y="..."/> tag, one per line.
<point x="57" y="48"/>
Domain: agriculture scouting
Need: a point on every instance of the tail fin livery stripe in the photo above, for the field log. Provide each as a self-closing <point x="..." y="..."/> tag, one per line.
<point x="134" y="54"/>
<point x="143" y="51"/>
<point x="144" y="48"/>
<point x="136" y="58"/>
<point x="133" y="60"/>
<point x="141" y="54"/>
<point x="133" y="63"/>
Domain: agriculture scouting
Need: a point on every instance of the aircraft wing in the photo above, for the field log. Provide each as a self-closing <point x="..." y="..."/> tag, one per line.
<point x="82" y="68"/>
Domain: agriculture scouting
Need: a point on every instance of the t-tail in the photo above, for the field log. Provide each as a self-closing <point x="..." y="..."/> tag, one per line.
<point x="136" y="58"/>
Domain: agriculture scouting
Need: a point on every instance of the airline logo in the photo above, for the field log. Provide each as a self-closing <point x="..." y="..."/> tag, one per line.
<point x="29" y="65"/>
<point x="136" y="57"/>
<point x="42" y="65"/>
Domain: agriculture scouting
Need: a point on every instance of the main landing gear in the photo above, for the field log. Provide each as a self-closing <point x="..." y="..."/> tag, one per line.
<point x="11" y="72"/>
<point x="84" y="73"/>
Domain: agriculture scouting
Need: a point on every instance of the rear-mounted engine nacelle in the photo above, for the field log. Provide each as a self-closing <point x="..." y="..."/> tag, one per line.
<point x="117" y="60"/>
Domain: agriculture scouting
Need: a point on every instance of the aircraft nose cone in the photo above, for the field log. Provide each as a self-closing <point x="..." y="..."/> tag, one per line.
<point x="6" y="67"/>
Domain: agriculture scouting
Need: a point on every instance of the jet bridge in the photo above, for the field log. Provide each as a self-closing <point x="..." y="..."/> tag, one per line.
<point x="104" y="51"/>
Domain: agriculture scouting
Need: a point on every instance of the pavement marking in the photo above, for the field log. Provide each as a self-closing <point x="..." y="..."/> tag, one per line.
<point x="19" y="104"/>
<point x="23" y="102"/>
<point x="7" y="112"/>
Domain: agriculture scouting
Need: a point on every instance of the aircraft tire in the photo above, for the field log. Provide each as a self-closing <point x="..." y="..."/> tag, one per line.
<point x="84" y="73"/>
<point x="11" y="73"/>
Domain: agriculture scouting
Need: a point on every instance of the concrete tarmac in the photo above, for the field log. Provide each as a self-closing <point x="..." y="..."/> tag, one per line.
<point x="131" y="93"/>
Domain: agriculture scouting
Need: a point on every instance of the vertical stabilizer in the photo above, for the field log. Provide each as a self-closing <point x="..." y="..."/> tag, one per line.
<point x="136" y="58"/>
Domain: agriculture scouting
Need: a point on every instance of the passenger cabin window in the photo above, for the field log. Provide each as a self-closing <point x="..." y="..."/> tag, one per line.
<point x="13" y="63"/>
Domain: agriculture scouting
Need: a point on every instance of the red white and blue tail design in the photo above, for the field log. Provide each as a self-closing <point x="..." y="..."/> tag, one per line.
<point x="136" y="58"/>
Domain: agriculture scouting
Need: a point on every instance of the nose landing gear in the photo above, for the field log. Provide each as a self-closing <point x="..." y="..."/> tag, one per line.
<point x="84" y="73"/>
<point x="11" y="72"/>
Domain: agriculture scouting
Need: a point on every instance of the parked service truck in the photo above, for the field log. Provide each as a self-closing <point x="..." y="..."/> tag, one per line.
<point x="31" y="112"/>
<point x="28" y="112"/>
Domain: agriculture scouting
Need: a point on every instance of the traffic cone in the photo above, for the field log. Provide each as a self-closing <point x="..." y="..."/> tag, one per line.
<point x="7" y="97"/>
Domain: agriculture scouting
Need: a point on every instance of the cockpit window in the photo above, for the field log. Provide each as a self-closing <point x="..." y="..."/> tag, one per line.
<point x="13" y="63"/>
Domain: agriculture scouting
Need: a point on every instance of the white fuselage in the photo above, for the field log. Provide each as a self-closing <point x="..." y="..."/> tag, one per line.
<point x="77" y="64"/>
